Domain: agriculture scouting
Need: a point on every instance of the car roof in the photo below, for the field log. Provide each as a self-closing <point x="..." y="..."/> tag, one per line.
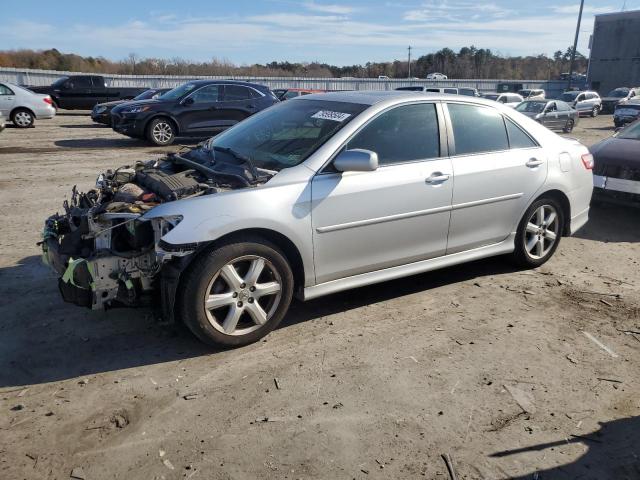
<point x="373" y="97"/>
<point x="227" y="82"/>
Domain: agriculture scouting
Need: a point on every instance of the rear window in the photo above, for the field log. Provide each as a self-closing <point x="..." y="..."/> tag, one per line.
<point x="477" y="129"/>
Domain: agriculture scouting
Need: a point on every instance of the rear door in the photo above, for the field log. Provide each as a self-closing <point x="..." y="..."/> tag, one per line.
<point x="497" y="167"/>
<point x="398" y="214"/>
<point x="237" y="103"/>
<point x="7" y="100"/>
<point x="80" y="95"/>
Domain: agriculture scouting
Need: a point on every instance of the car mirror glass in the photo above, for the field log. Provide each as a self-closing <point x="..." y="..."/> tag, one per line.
<point x="356" y="160"/>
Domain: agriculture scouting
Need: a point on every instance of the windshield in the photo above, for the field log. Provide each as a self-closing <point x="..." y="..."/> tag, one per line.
<point x="524" y="93"/>
<point x="632" y="132"/>
<point x="619" y="93"/>
<point x="531" y="107"/>
<point x="178" y="91"/>
<point x="491" y="96"/>
<point x="286" y="134"/>
<point x="569" y="96"/>
<point x="147" y="94"/>
<point x="59" y="81"/>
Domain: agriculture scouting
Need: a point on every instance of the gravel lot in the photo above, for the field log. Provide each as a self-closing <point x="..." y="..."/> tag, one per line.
<point x="500" y="369"/>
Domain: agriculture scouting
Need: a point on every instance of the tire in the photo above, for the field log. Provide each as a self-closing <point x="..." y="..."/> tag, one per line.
<point x="238" y="314"/>
<point x="528" y="253"/>
<point x="22" y="118"/>
<point x="161" y="131"/>
<point x="595" y="111"/>
<point x="568" y="128"/>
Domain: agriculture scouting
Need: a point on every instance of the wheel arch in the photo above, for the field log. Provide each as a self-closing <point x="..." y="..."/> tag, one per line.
<point x="564" y="202"/>
<point x="22" y="108"/>
<point x="169" y="117"/>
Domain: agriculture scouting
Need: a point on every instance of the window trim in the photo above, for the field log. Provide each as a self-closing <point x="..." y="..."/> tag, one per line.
<point x="451" y="136"/>
<point x="442" y="137"/>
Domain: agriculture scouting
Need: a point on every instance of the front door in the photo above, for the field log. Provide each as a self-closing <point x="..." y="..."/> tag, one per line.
<point x="398" y="214"/>
<point x="200" y="112"/>
<point x="551" y="117"/>
<point x="498" y="168"/>
<point x="7" y="100"/>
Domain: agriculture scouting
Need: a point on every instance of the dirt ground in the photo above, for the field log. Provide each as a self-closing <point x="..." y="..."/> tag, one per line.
<point x="514" y="374"/>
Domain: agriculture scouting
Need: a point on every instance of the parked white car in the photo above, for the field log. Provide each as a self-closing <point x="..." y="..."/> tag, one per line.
<point x="509" y="99"/>
<point x="22" y="106"/>
<point x="437" y="76"/>
<point x="532" y="93"/>
<point x="586" y="103"/>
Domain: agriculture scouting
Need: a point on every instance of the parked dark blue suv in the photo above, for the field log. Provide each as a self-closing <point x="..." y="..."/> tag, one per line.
<point x="196" y="109"/>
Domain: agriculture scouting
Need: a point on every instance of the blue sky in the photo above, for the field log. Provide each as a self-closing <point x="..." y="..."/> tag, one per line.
<point x="341" y="33"/>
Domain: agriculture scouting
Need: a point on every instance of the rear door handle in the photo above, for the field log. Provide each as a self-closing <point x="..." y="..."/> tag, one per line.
<point x="437" y="177"/>
<point x="534" y="162"/>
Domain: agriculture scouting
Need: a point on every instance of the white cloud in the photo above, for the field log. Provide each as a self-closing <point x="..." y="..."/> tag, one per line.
<point x="574" y="9"/>
<point x="329" y="8"/>
<point x="454" y="11"/>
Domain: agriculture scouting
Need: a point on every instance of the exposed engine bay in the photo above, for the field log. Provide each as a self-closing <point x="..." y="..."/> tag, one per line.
<point x="108" y="254"/>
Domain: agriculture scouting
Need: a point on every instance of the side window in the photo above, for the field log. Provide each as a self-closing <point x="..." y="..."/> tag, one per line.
<point x="581" y="98"/>
<point x="291" y="94"/>
<point x="208" y="94"/>
<point x="517" y="137"/>
<point x="562" y="107"/>
<point x="82" y="82"/>
<point x="632" y="94"/>
<point x="4" y="90"/>
<point x="477" y="129"/>
<point x="236" y="92"/>
<point x="551" y="107"/>
<point x="451" y="90"/>
<point x="403" y="134"/>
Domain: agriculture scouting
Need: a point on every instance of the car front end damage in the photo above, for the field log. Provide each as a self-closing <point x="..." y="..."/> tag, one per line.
<point x="107" y="253"/>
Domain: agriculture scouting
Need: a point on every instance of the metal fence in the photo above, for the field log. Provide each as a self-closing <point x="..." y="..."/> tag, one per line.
<point x="29" y="77"/>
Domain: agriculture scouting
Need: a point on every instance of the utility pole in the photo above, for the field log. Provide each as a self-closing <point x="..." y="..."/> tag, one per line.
<point x="409" y="62"/>
<point x="575" y="45"/>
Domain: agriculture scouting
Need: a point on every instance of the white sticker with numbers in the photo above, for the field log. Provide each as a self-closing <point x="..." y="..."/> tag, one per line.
<point x="329" y="115"/>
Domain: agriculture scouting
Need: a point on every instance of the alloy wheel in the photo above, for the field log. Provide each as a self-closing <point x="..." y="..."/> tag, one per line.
<point x="541" y="232"/>
<point x="22" y="119"/>
<point x="243" y="295"/>
<point x="162" y="132"/>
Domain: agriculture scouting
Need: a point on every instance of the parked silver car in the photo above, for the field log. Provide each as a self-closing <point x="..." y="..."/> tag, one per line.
<point x="553" y="114"/>
<point x="22" y="106"/>
<point x="586" y="103"/>
<point x="316" y="195"/>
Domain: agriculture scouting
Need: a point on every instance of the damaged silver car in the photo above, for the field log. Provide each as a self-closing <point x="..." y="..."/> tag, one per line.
<point x="316" y="195"/>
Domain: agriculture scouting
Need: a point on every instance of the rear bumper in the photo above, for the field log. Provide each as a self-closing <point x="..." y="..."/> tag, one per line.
<point x="45" y="113"/>
<point x="616" y="189"/>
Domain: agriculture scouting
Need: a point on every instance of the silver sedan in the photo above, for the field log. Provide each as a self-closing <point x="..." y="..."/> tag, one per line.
<point x="22" y="106"/>
<point x="316" y="195"/>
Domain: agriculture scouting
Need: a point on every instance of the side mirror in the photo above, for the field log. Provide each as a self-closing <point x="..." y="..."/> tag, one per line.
<point x="188" y="101"/>
<point x="356" y="160"/>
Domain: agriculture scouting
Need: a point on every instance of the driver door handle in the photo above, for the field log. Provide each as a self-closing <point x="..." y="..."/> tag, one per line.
<point x="534" y="162"/>
<point x="437" y="177"/>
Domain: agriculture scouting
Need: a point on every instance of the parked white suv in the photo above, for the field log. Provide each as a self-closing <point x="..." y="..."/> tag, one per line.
<point x="586" y="103"/>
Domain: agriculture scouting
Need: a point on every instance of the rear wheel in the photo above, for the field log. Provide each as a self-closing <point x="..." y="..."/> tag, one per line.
<point x="22" y="118"/>
<point x="539" y="233"/>
<point x="568" y="128"/>
<point x="237" y="293"/>
<point x="161" y="131"/>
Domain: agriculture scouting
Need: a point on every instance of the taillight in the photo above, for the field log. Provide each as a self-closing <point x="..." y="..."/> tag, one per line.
<point x="587" y="161"/>
<point x="48" y="100"/>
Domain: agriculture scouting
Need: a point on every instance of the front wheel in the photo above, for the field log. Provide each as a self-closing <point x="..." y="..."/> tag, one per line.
<point x="539" y="233"/>
<point x="237" y="293"/>
<point x="22" y="118"/>
<point x="161" y="132"/>
<point x="595" y="111"/>
<point x="568" y="128"/>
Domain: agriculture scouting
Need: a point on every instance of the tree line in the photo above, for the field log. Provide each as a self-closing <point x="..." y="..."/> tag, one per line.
<point x="468" y="62"/>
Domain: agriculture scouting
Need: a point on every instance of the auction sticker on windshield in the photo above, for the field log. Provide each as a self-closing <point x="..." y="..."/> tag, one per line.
<point x="329" y="115"/>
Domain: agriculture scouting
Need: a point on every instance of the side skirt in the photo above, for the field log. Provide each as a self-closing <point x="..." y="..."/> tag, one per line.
<point x="392" y="273"/>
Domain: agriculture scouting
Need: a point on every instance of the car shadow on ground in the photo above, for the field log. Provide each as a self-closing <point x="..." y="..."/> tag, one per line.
<point x="43" y="339"/>
<point x="93" y="125"/>
<point x="610" y="222"/>
<point x="611" y="454"/>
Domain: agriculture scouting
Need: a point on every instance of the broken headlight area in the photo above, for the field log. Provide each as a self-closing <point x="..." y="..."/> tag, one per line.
<point x="104" y="250"/>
